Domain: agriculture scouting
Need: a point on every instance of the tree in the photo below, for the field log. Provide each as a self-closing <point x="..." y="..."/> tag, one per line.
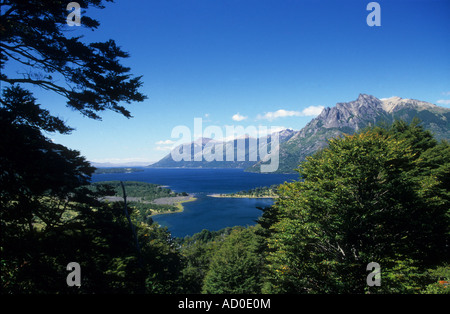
<point x="440" y="278"/>
<point x="32" y="166"/>
<point x="197" y="251"/>
<point x="236" y="267"/>
<point x="90" y="76"/>
<point x="48" y="218"/>
<point x="371" y="197"/>
<point x="34" y="35"/>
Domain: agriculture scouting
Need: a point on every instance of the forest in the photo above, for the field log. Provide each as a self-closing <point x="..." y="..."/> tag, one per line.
<point x="258" y="192"/>
<point x="117" y="170"/>
<point x="141" y="190"/>
<point x="142" y="197"/>
<point x="381" y="195"/>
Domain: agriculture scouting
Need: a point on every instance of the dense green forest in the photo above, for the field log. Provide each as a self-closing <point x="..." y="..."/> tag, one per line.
<point x="381" y="195"/>
<point x="142" y="190"/>
<point x="117" y="170"/>
<point x="258" y="192"/>
<point x="142" y="197"/>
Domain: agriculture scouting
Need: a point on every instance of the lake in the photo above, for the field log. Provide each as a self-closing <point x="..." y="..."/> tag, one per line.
<point x="206" y="212"/>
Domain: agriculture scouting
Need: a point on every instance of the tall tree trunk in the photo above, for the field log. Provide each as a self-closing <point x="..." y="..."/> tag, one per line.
<point x="127" y="214"/>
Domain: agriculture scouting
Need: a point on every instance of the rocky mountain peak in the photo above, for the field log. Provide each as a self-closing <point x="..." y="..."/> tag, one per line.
<point x="344" y="117"/>
<point x="346" y="114"/>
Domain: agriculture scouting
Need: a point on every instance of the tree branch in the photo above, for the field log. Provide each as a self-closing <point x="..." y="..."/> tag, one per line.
<point x="26" y="54"/>
<point x="7" y="13"/>
<point x="44" y="84"/>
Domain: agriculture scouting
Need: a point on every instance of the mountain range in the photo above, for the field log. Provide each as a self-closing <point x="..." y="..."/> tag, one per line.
<point x="119" y="164"/>
<point x="295" y="146"/>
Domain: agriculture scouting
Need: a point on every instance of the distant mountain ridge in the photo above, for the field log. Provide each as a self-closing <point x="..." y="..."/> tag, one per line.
<point x="352" y="116"/>
<point x="120" y="164"/>
<point x="203" y="154"/>
<point x="344" y="117"/>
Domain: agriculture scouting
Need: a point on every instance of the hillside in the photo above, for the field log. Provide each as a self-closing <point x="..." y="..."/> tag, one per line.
<point x="355" y="115"/>
<point x="344" y="117"/>
<point x="241" y="147"/>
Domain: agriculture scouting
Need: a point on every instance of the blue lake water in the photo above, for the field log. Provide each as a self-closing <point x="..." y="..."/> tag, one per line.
<point x="206" y="212"/>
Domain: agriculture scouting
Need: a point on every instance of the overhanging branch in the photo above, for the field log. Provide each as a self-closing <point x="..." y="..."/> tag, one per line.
<point x="26" y="54"/>
<point x="44" y="84"/>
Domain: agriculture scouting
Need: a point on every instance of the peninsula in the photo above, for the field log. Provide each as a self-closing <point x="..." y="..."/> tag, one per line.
<point x="259" y="192"/>
<point x="147" y="199"/>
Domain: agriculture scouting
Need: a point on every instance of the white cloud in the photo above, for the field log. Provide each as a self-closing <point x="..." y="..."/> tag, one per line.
<point x="254" y="131"/>
<point x="446" y="93"/>
<point x="166" y="142"/>
<point x="279" y="114"/>
<point x="163" y="148"/>
<point x="272" y="129"/>
<point x="309" y="111"/>
<point x="312" y="110"/>
<point x="238" y="117"/>
<point x="444" y="101"/>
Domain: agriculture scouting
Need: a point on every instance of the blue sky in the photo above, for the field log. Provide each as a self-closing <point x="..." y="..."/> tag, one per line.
<point x="271" y="62"/>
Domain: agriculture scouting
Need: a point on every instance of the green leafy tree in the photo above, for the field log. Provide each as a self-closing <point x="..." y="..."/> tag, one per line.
<point x="440" y="278"/>
<point x="47" y="218"/>
<point x="197" y="257"/>
<point x="197" y="251"/>
<point x="90" y="76"/>
<point x="32" y="165"/>
<point x="236" y="267"/>
<point x="377" y="196"/>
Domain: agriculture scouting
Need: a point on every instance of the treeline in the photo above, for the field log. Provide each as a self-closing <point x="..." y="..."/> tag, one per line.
<point x="142" y="190"/>
<point x="140" y="197"/>
<point x="263" y="191"/>
<point x="117" y="170"/>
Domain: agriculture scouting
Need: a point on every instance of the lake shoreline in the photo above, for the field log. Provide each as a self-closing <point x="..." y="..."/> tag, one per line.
<point x="239" y="196"/>
<point x="212" y="213"/>
<point x="177" y="201"/>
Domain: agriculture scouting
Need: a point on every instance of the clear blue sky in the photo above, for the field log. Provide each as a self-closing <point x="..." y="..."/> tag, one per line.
<point x="217" y="58"/>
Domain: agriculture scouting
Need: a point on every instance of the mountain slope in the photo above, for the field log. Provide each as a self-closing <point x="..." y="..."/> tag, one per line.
<point x="295" y="146"/>
<point x="352" y="116"/>
<point x="202" y="156"/>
